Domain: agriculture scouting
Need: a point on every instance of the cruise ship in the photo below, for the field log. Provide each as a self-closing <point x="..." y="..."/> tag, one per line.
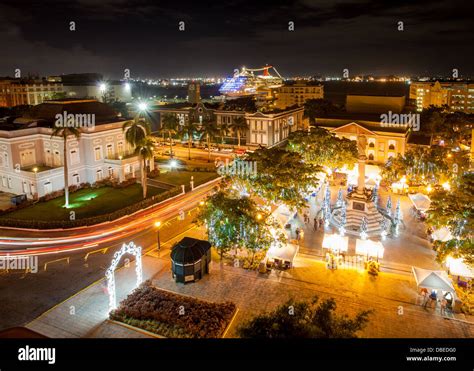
<point x="246" y="82"/>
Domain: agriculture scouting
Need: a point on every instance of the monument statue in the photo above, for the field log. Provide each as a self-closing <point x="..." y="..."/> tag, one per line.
<point x="361" y="145"/>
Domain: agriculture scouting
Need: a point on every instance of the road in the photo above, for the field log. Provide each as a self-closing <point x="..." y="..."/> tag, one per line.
<point x="27" y="295"/>
<point x="19" y="242"/>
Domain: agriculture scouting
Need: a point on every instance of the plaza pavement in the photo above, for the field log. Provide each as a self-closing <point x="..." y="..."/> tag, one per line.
<point x="392" y="295"/>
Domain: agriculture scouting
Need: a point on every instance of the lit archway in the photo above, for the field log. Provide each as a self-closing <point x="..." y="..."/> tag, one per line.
<point x="129" y="248"/>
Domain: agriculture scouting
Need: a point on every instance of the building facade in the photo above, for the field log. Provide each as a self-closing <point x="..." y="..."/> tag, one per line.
<point x="297" y="94"/>
<point x="31" y="160"/>
<point x="458" y="96"/>
<point x="106" y="92"/>
<point x="16" y="92"/>
<point x="383" y="143"/>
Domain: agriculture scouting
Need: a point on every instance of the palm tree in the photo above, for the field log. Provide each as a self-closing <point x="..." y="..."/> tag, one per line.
<point x="64" y="132"/>
<point x="136" y="131"/>
<point x="169" y="124"/>
<point x="145" y="149"/>
<point x="188" y="130"/>
<point x="239" y="124"/>
<point x="210" y="130"/>
<point x="223" y="130"/>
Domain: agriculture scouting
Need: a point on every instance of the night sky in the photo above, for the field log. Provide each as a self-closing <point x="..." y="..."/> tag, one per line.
<point x="143" y="36"/>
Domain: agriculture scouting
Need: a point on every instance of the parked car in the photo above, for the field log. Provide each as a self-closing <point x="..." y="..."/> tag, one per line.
<point x="240" y="151"/>
<point x="213" y="149"/>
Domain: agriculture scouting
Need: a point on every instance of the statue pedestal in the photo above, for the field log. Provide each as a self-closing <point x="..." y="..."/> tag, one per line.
<point x="359" y="206"/>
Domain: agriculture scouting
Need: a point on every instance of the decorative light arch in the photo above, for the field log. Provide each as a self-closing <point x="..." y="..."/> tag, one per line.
<point x="129" y="248"/>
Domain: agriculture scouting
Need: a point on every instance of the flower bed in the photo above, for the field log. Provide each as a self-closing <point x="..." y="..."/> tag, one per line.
<point x="172" y="315"/>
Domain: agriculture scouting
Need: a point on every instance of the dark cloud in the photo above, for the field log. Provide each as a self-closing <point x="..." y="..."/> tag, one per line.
<point x="143" y="36"/>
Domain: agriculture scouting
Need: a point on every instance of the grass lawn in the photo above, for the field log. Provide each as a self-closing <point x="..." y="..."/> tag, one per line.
<point x="183" y="177"/>
<point x="85" y="203"/>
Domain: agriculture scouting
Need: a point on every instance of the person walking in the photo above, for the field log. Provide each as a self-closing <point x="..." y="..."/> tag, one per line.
<point x="301" y="235"/>
<point x="316" y="224"/>
<point x="425" y="298"/>
<point x="443" y="304"/>
<point x="297" y="231"/>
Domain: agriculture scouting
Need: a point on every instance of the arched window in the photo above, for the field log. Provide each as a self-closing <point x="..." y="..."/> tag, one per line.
<point x="371" y="156"/>
<point x="391" y="146"/>
<point x="371" y="145"/>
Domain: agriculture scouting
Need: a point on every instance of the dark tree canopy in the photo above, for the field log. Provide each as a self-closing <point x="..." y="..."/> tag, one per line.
<point x="454" y="209"/>
<point x="304" y="319"/>
<point x="320" y="147"/>
<point x="234" y="221"/>
<point x="281" y="176"/>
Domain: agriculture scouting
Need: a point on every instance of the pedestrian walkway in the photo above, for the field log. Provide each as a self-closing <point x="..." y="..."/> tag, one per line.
<point x="85" y="314"/>
<point x="393" y="298"/>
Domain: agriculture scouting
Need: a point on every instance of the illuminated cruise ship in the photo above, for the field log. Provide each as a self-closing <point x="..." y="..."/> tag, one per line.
<point x="245" y="82"/>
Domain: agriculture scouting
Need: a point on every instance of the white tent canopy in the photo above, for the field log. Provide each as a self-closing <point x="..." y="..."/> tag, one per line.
<point x="369" y="248"/>
<point x="433" y="280"/>
<point x="286" y="252"/>
<point x="283" y="214"/>
<point x="442" y="234"/>
<point x="458" y="267"/>
<point x="335" y="242"/>
<point x="420" y="201"/>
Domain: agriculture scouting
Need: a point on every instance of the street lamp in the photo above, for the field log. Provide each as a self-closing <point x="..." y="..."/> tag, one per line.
<point x="142" y="106"/>
<point x="158" y="225"/>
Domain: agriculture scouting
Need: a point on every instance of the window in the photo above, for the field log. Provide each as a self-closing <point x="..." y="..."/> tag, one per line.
<point x="109" y="151"/>
<point x="98" y="175"/>
<point x="25" y="187"/>
<point x="27" y="157"/>
<point x="75" y="157"/>
<point x="120" y="148"/>
<point x="371" y="156"/>
<point x="47" y="157"/>
<point x="4" y="181"/>
<point x="110" y="171"/>
<point x="75" y="178"/>
<point x="57" y="158"/>
<point x="98" y="153"/>
<point x="391" y="146"/>
<point x="48" y="187"/>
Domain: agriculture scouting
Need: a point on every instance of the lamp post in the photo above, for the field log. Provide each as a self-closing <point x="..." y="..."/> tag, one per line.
<point x="158" y="227"/>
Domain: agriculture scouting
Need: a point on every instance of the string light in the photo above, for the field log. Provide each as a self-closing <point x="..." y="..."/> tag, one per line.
<point x="132" y="249"/>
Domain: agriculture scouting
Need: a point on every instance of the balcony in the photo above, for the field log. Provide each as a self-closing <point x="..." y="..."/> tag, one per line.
<point x="38" y="168"/>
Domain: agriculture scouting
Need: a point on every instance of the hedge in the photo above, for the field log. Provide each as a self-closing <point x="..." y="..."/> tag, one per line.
<point x="173" y="315"/>
<point x="54" y="224"/>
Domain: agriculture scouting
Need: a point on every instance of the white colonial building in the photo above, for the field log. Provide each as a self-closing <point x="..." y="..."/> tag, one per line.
<point x="31" y="159"/>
